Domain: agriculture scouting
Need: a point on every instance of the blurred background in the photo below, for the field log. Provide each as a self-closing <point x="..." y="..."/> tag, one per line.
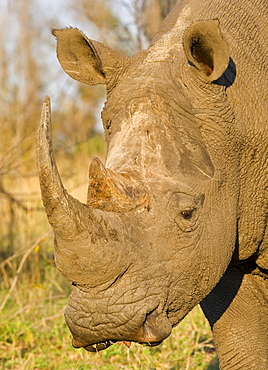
<point x="33" y="294"/>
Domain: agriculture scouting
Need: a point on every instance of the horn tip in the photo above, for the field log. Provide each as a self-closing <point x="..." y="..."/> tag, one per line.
<point x="44" y="131"/>
<point x="97" y="168"/>
<point x="46" y="111"/>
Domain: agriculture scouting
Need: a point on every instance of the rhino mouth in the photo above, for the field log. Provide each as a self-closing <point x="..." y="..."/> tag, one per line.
<point x="155" y="328"/>
<point x="103" y="345"/>
<point x="99" y="346"/>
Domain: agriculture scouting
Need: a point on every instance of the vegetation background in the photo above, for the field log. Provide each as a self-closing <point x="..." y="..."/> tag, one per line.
<point x="33" y="294"/>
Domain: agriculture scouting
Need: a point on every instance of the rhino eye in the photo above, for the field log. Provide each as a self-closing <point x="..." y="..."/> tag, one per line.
<point x="187" y="214"/>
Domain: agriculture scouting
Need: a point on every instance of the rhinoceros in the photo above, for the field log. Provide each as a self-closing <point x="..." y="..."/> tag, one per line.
<point x="177" y="215"/>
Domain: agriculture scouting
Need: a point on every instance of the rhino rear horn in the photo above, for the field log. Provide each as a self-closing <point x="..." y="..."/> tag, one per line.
<point x="114" y="192"/>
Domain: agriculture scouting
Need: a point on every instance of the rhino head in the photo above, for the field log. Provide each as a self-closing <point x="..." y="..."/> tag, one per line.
<point x="159" y="227"/>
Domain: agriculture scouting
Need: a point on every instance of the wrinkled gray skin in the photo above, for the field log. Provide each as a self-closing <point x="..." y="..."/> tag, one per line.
<point x="178" y="214"/>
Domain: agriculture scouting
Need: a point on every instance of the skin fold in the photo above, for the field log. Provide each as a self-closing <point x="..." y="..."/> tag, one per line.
<point x="177" y="215"/>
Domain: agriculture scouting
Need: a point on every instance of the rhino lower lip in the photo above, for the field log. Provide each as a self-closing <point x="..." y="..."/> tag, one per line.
<point x="99" y="346"/>
<point x="155" y="328"/>
<point x="103" y="345"/>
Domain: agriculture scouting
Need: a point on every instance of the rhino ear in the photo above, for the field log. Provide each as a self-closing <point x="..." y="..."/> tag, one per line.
<point x="206" y="49"/>
<point x="85" y="60"/>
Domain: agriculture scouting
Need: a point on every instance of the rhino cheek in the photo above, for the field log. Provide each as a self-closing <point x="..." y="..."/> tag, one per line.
<point x="196" y="258"/>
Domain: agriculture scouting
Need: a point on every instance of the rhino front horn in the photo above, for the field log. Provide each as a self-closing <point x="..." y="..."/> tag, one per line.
<point x="82" y="234"/>
<point x="114" y="192"/>
<point x="60" y="206"/>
